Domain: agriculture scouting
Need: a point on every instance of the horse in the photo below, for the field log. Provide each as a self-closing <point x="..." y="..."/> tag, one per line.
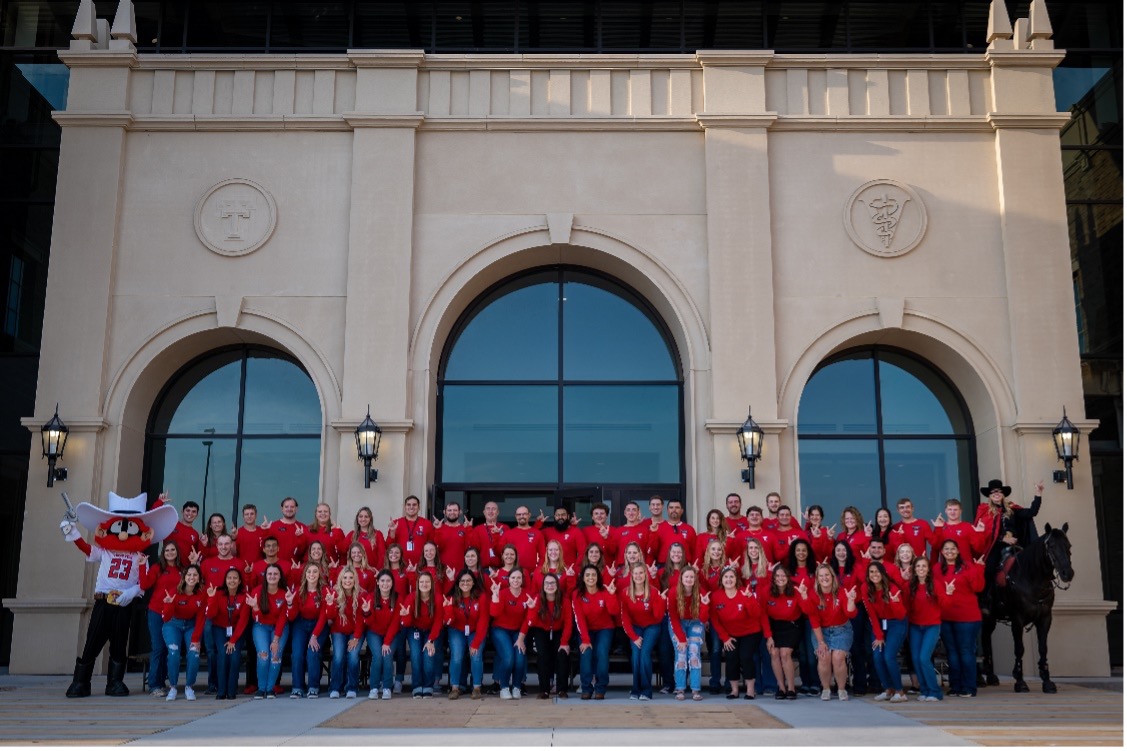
<point x="1027" y="601"/>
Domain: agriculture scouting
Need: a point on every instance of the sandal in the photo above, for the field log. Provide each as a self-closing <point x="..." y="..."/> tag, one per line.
<point x="680" y="696"/>
<point x="697" y="696"/>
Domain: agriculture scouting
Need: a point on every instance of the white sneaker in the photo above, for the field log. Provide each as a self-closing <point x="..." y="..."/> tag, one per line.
<point x="883" y="696"/>
<point x="505" y="693"/>
<point x="334" y="694"/>
<point x="516" y="693"/>
<point x="826" y="695"/>
<point x="350" y="695"/>
<point x="842" y="695"/>
<point x="171" y="694"/>
<point x="190" y="693"/>
<point x="932" y="698"/>
<point x="374" y="693"/>
<point x="158" y="692"/>
<point x="397" y="686"/>
<point x="386" y="694"/>
<point x="898" y="698"/>
<point x="921" y="697"/>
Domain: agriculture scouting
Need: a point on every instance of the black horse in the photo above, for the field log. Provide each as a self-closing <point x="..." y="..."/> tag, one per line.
<point x="1027" y="601"/>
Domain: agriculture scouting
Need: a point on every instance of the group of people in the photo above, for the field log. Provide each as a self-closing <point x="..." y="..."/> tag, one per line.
<point x="756" y="591"/>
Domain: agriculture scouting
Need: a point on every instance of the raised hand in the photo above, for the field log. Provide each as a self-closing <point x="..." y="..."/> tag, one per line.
<point x="869" y="529"/>
<point x="951" y="587"/>
<point x="831" y="529"/>
<point x="664" y="593"/>
<point x="294" y="563"/>
<point x="496" y="589"/>
<point x="851" y="594"/>
<point x="540" y="516"/>
<point x="252" y="601"/>
<point x="570" y="571"/>
<point x="866" y="554"/>
<point x="604" y="531"/>
<point x="447" y="601"/>
<point x="611" y="587"/>
<point x="802" y="589"/>
<point x="194" y="556"/>
<point x="467" y="523"/>
<point x="404" y="610"/>
<point x="733" y="561"/>
<point x="938" y="521"/>
<point x="300" y="530"/>
<point x="530" y="602"/>
<point x="168" y="596"/>
<point x="747" y="590"/>
<point x="330" y="599"/>
<point x="704" y="598"/>
<point x="290" y="595"/>
<point x="895" y="597"/>
<point x="211" y="591"/>
<point x="249" y="568"/>
<point x="981" y="560"/>
<point x="980" y="527"/>
<point x="1039" y="488"/>
<point x="265" y="523"/>
<point x="450" y="573"/>
<point x="411" y="567"/>
<point x="366" y="606"/>
<point x="610" y="570"/>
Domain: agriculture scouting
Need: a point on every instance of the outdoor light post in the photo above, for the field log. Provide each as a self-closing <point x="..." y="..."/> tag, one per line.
<point x="54" y="435"/>
<point x="368" y="436"/>
<point x="1066" y="439"/>
<point x="750" y="437"/>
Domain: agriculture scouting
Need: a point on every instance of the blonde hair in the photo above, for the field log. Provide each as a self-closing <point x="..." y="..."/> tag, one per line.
<point x="688" y="602"/>
<point x="328" y="525"/>
<point x="546" y="567"/>
<point x="632" y="591"/>
<point x="833" y="580"/>
<point x="746" y="571"/>
<point x="342" y="598"/>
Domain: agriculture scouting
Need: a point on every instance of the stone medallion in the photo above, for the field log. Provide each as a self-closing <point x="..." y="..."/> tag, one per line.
<point x="885" y="218"/>
<point x="236" y="217"/>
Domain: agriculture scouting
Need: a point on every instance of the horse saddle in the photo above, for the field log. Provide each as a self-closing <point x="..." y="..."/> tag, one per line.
<point x="1003" y="573"/>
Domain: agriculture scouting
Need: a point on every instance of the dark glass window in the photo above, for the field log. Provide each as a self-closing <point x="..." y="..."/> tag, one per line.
<point x="559" y="377"/>
<point x="237" y="426"/>
<point x="220" y="23"/>
<point x="877" y="425"/>
<point x="316" y="25"/>
<point x="801" y="25"/>
<point x="885" y="25"/>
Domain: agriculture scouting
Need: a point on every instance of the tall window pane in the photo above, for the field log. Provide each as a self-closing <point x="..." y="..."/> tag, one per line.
<point x="189" y="472"/>
<point x="500" y="434"/>
<point x="272" y="469"/>
<point x="205" y="399"/>
<point x="928" y="472"/>
<point x="914" y="399"/>
<point x="608" y="337"/>
<point x="280" y="398"/>
<point x="621" y="434"/>
<point x="841" y="399"/>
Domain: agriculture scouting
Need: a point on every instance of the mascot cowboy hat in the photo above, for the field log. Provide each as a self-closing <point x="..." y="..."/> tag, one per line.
<point x="161" y="520"/>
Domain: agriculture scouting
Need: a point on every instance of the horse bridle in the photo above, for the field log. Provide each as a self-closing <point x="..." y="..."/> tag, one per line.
<point x="1061" y="585"/>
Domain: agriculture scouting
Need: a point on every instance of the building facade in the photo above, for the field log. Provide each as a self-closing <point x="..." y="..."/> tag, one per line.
<point x="560" y="277"/>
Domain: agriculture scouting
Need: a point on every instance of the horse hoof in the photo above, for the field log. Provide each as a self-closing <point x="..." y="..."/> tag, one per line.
<point x="1049" y="687"/>
<point x="1021" y="688"/>
<point x="991" y="680"/>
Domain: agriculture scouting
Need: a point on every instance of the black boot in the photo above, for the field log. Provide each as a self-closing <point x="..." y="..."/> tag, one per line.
<point x="115" y="680"/>
<point x="80" y="686"/>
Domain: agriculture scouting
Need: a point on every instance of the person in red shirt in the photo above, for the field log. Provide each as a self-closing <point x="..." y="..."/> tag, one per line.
<point x="422" y="621"/>
<point x="572" y="540"/>
<point x="507" y="613"/>
<point x="821" y="538"/>
<point x="596" y="609"/>
<point x="735" y="519"/>
<point x="249" y="537"/>
<point x="290" y="533"/>
<point x="642" y="611"/>
<point x="756" y="530"/>
<point x="466" y="617"/>
<point x="526" y="539"/>
<point x="343" y="611"/>
<point x="220" y="557"/>
<point x="830" y="608"/>
<point x="554" y="565"/>
<point x="228" y="612"/>
<point x="431" y="563"/>
<point x="708" y="573"/>
<point x="770" y="517"/>
<point x="451" y="535"/>
<point x="315" y="554"/>
<point x="784" y="614"/>
<point x="888" y="617"/>
<point x="924" y="617"/>
<point x="269" y="609"/>
<point x="411" y="530"/>
<point x="364" y="532"/>
<point x="510" y="561"/>
<point x="741" y="624"/>
<point x="216" y="526"/>
<point x="307" y="642"/>
<point x="634" y="530"/>
<point x="187" y="539"/>
<point x="157" y="580"/>
<point x="754" y="568"/>
<point x="184" y="615"/>
<point x="326" y="532"/>
<point x="487" y="537"/>
<point x="381" y="622"/>
<point x="270" y="549"/>
<point x="621" y="575"/>
<point x="716" y="528"/>
<point x="601" y="532"/>
<point x="852" y="532"/>
<point x="688" y="612"/>
<point x="549" y="626"/>
<point x="915" y="532"/>
<point x="882" y="525"/>
<point x="958" y="583"/>
<point x="950" y="526"/>
<point x="674" y="530"/>
<point x="365" y="574"/>
<point x="784" y="534"/>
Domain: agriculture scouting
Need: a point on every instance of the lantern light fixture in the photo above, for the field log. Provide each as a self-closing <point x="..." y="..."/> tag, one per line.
<point x="1066" y="440"/>
<point x="750" y="437"/>
<point x="54" y="435"/>
<point x="368" y="436"/>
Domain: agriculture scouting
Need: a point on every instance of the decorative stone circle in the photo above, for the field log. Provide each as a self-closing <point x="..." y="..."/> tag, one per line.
<point x="885" y="218"/>
<point x="236" y="217"/>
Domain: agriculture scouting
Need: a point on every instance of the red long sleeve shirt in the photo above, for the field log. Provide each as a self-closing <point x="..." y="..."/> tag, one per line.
<point x="248" y="543"/>
<point x="215" y="570"/>
<point x="857" y="540"/>
<point x="923" y="609"/>
<point x="732" y="548"/>
<point x="781" y="540"/>
<point x="709" y="577"/>
<point x="383" y="617"/>
<point x="962" y="606"/>
<point x="676" y="616"/>
<point x="825" y="610"/>
<point x="916" y="533"/>
<point x="226" y="611"/>
<point x="567" y="581"/>
<point x="562" y="623"/>
<point x="374" y="546"/>
<point x="349" y="622"/>
<point x="276" y="614"/>
<point x="594" y="612"/>
<point x="626" y="534"/>
<point x="608" y="544"/>
<point x="188" y="607"/>
<point x="669" y="533"/>
<point x="429" y="621"/>
<point x="470" y="616"/>
<point x="821" y="542"/>
<point x="963" y="535"/>
<point x="529" y="544"/>
<point x="508" y="612"/>
<point x="307" y="604"/>
<point x="452" y="540"/>
<point x="487" y="540"/>
<point x="258" y="571"/>
<point x="186" y="538"/>
<point x="572" y="541"/>
<point x="158" y="583"/>
<point x="331" y="539"/>
<point x="783" y="607"/>
<point x="740" y="615"/>
<point x="761" y="534"/>
<point x="881" y="611"/>
<point x="291" y="544"/>
<point x="411" y="536"/>
<point x="640" y="612"/>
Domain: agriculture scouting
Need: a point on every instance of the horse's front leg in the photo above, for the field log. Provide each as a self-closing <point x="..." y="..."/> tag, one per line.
<point x="1043" y="625"/>
<point x="1020" y="686"/>
<point x="988" y="625"/>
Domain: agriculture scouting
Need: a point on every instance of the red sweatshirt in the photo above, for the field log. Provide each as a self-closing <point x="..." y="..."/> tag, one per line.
<point x="188" y="607"/>
<point x="248" y="543"/>
<point x="470" y="617"/>
<point x="350" y="622"/>
<point x="374" y="547"/>
<point x="676" y="616"/>
<point x="669" y="533"/>
<point x="549" y="624"/>
<point x="529" y="544"/>
<point x="308" y="604"/>
<point x="827" y="610"/>
<point x="858" y="540"/>
<point x="923" y="610"/>
<point x="640" y="613"/>
<point x="331" y="539"/>
<point x="916" y="533"/>
<point x="229" y="612"/>
<point x="709" y="577"/>
<point x="783" y="607"/>
<point x="736" y="616"/>
<point x="186" y="538"/>
<point x="452" y="540"/>
<point x="215" y="570"/>
<point x="258" y="571"/>
<point x="429" y="621"/>
<point x="781" y="541"/>
<point x="276" y="615"/>
<point x="880" y="611"/>
<point x="572" y="541"/>
<point x="624" y="535"/>
<point x="567" y="581"/>
<point x="821" y="542"/>
<point x="487" y="540"/>
<point x="732" y="548"/>
<point x="963" y="535"/>
<point x="293" y="539"/>
<point x="962" y="606"/>
<point x="411" y="536"/>
<point x="383" y="617"/>
<point x="508" y="612"/>
<point x="158" y="583"/>
<point x="763" y="535"/>
<point x="608" y="544"/>
<point x="594" y="612"/>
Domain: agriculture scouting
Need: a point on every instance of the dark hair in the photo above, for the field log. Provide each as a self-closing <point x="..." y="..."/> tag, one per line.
<point x="250" y="507"/>
<point x="190" y="504"/>
<point x="885" y="583"/>
<point x="241" y="586"/>
<point x="263" y="597"/>
<point x="207" y="534"/>
<point x="788" y="590"/>
<point x="387" y="557"/>
<point x="288" y="498"/>
<point x="850" y="559"/>
<point x="792" y="559"/>
<point x="781" y="507"/>
<point x="600" y="506"/>
<point x="958" y="565"/>
<point x="583" y="576"/>
<point x="456" y="592"/>
<point x="180" y="588"/>
<point x="879" y="532"/>
<point x="753" y="508"/>
<point x="735" y="495"/>
<point x="816" y="507"/>
<point x="914" y="582"/>
<point x="557" y="604"/>
<point x="160" y="558"/>
<point x="393" y="596"/>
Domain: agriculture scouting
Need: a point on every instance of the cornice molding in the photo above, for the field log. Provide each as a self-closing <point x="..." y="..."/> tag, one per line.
<point x="76" y="425"/>
<point x="724" y="427"/>
<point x="387" y="426"/>
<point x="1054" y="121"/>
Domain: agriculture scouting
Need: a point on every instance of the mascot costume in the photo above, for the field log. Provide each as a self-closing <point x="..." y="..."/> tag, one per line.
<point x="122" y="533"/>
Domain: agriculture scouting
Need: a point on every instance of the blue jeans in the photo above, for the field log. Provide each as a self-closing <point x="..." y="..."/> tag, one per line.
<point x="510" y="665"/>
<point x="305" y="663"/>
<point x="209" y="645"/>
<point x="399" y="652"/>
<point x="459" y="649"/>
<point x="382" y="668"/>
<point x="884" y="659"/>
<point x="715" y="659"/>
<point x="594" y="664"/>
<point x="227" y="665"/>
<point x="641" y="660"/>
<point x="687" y="659"/>
<point x="665" y="655"/>
<point x="424" y="667"/>
<point x="158" y="657"/>
<point x="921" y="642"/>
<point x="961" y="640"/>
<point x="269" y="666"/>
<point x="339" y="680"/>
<point x="177" y="635"/>
<point x="807" y="660"/>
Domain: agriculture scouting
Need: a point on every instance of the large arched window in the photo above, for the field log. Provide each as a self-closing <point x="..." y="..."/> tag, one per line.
<point x="876" y="425"/>
<point x="559" y="384"/>
<point x="237" y="426"/>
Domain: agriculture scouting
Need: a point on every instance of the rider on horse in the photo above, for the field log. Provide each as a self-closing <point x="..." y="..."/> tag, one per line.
<point x="1006" y="528"/>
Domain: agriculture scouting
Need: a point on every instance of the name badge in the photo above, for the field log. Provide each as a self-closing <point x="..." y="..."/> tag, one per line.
<point x="410" y="547"/>
<point x="467" y="629"/>
<point x="230" y="632"/>
<point x="415" y="635"/>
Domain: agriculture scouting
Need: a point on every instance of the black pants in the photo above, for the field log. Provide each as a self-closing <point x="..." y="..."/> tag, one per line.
<point x="549" y="659"/>
<point x="741" y="661"/>
<point x="107" y="623"/>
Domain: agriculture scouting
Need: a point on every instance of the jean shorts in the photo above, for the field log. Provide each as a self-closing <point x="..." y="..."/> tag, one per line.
<point x="836" y="637"/>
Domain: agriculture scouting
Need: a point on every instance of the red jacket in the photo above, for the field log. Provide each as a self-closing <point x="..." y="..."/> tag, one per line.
<point x="188" y="607"/>
<point x="826" y="611"/>
<point x="383" y="617"/>
<point x="508" y="612"/>
<point x="594" y="612"/>
<point x="470" y="617"/>
<point x="676" y="616"/>
<point x="741" y="615"/>
<point x="640" y="613"/>
<point x="962" y="606"/>
<point x="562" y="624"/>
<point x="158" y="583"/>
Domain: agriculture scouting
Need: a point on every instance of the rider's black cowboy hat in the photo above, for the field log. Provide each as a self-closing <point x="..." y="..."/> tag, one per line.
<point x="995" y="485"/>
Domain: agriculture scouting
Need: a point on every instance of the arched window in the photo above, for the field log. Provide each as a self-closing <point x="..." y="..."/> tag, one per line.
<point x="559" y="384"/>
<point x="237" y="426"/>
<point x="876" y="425"/>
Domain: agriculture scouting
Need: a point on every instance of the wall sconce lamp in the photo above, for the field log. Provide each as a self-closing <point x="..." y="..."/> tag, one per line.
<point x="750" y="436"/>
<point x="1066" y="438"/>
<point x="54" y="435"/>
<point x="368" y="436"/>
